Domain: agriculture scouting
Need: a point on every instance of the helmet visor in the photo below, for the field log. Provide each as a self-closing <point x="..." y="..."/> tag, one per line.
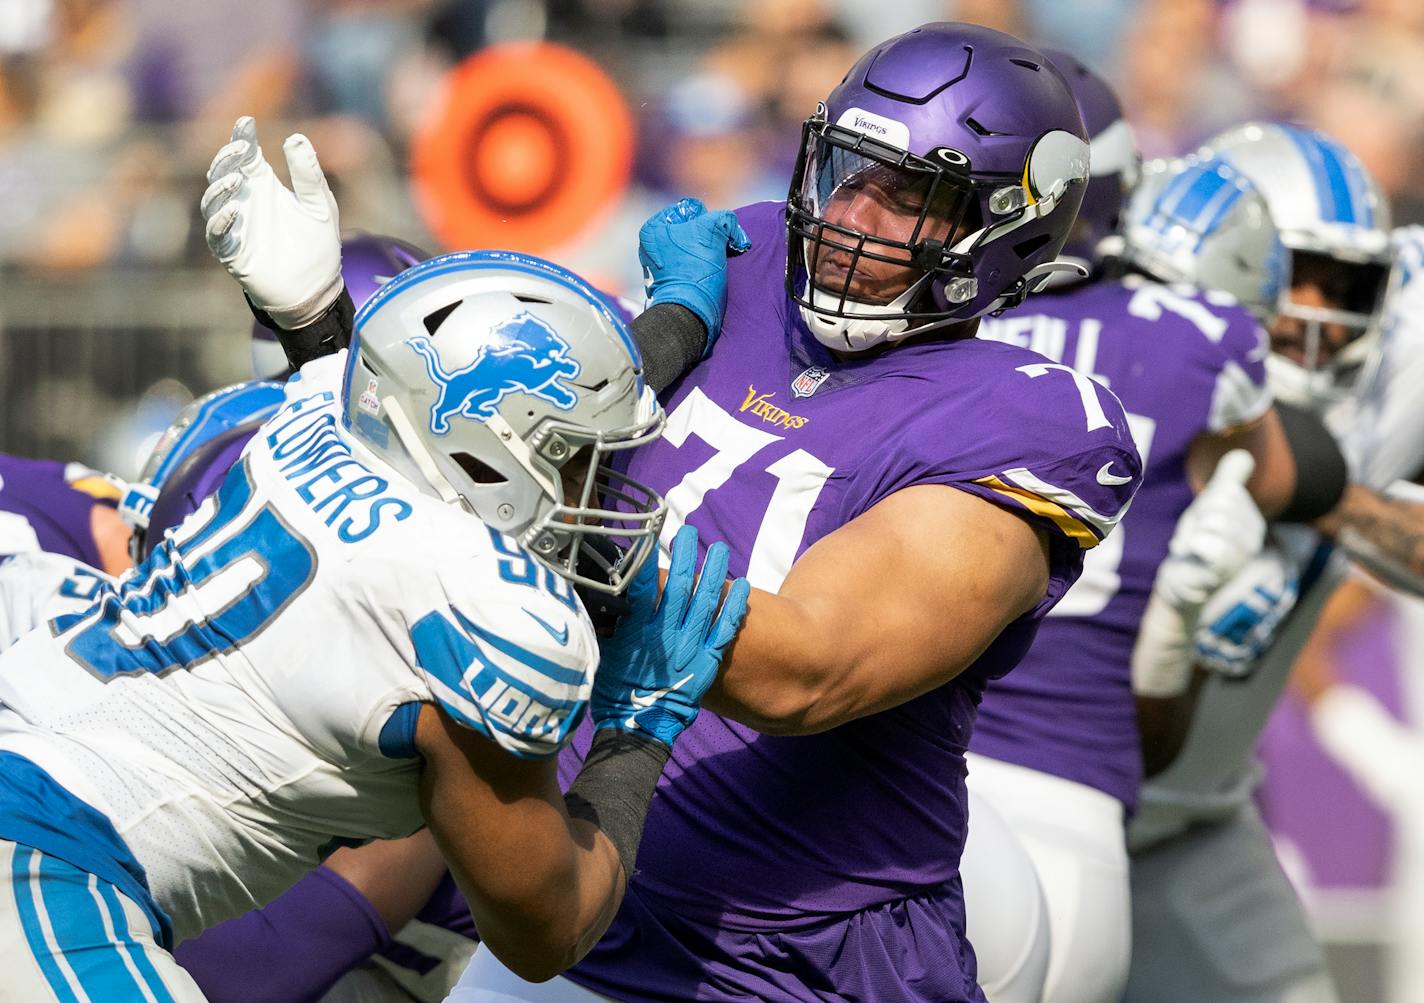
<point x="873" y="221"/>
<point x="1331" y="305"/>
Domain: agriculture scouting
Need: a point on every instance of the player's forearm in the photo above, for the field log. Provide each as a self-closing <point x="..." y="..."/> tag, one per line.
<point x="1162" y="726"/>
<point x="307" y="939"/>
<point x="1383" y="534"/>
<point x="544" y="922"/>
<point x="779" y="687"/>
<point x="670" y="339"/>
<point x="324" y="336"/>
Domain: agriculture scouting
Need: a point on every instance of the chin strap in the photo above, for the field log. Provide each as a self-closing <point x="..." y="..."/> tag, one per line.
<point x="1036" y="279"/>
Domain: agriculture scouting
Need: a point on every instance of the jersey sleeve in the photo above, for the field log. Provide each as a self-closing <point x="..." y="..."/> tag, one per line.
<point x="103" y="488"/>
<point x="1241" y="395"/>
<point x="1048" y="444"/>
<point x="510" y="654"/>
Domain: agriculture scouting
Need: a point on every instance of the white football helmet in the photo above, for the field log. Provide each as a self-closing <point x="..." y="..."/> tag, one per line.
<point x="1204" y="224"/>
<point x="481" y="376"/>
<point x="1327" y="208"/>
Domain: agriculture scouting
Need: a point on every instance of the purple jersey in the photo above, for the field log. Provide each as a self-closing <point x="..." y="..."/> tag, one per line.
<point x="46" y="505"/>
<point x="797" y="868"/>
<point x="1182" y="363"/>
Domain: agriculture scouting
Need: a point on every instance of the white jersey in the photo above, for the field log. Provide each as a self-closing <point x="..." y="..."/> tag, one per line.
<point x="1382" y="436"/>
<point x="245" y="701"/>
<point x="36" y="587"/>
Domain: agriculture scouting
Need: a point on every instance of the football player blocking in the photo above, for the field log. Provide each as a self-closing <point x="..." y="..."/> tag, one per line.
<point x="990" y="503"/>
<point x="960" y="473"/>
<point x="182" y="726"/>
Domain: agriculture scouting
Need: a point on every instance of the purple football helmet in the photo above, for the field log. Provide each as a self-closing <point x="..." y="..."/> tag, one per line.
<point x="937" y="183"/>
<point x="197" y="477"/>
<point x="368" y="261"/>
<point x="1116" y="163"/>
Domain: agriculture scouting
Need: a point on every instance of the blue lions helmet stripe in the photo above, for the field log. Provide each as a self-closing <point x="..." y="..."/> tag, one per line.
<point x="1198" y="199"/>
<point x="1341" y="201"/>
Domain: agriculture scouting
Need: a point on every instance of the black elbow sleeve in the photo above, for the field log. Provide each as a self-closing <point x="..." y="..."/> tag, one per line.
<point x="671" y="339"/>
<point x="1321" y="470"/>
<point x="615" y="786"/>
<point x="326" y="335"/>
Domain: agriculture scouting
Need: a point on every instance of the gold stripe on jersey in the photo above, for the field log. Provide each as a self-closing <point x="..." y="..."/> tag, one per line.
<point x="1070" y="525"/>
<point x="97" y="487"/>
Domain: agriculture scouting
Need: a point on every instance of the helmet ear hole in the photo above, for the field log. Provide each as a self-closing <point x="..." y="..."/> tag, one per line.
<point x="1028" y="248"/>
<point x="477" y="470"/>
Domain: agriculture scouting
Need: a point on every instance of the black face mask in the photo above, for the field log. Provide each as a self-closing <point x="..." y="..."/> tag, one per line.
<point x="606" y="610"/>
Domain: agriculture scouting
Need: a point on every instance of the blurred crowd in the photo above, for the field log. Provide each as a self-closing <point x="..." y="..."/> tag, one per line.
<point x="109" y="108"/>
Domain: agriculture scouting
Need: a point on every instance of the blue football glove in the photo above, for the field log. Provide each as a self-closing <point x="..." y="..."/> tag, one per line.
<point x="656" y="667"/>
<point x="683" y="250"/>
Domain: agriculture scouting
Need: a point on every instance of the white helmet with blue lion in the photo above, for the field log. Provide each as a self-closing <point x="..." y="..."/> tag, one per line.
<point x="481" y="376"/>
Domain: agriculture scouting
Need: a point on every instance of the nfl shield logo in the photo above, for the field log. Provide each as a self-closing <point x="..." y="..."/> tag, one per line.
<point x="805" y="384"/>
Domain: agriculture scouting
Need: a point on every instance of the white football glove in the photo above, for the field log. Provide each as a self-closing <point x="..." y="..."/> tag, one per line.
<point x="283" y="246"/>
<point x="1218" y="533"/>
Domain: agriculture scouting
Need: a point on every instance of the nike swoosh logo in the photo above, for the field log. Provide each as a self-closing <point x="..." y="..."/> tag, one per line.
<point x="1109" y="479"/>
<point x="562" y="636"/>
<point x="642" y="700"/>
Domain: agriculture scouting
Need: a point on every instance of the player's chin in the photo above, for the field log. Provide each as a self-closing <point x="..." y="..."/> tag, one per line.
<point x="832" y="282"/>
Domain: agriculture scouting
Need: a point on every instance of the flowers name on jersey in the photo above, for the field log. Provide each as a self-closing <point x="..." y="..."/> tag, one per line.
<point x="524" y="356"/>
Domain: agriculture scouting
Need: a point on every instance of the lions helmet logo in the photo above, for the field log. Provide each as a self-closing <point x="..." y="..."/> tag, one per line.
<point x="526" y="357"/>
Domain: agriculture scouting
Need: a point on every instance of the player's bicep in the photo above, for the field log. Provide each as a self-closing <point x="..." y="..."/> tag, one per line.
<point x="899" y="600"/>
<point x="1273" y="482"/>
<point x="926" y="551"/>
<point x="499" y="822"/>
<point x="492" y="813"/>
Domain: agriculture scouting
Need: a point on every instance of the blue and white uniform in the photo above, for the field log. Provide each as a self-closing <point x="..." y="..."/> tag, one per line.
<point x="1199" y="846"/>
<point x="245" y="701"/>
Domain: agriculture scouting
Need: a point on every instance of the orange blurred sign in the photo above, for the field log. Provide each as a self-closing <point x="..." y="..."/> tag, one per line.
<point x="531" y="142"/>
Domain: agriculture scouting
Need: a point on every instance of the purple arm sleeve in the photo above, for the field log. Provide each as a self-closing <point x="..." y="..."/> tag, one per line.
<point x="290" y="951"/>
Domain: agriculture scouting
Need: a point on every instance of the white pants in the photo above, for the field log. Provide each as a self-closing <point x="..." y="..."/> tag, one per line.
<point x="488" y="981"/>
<point x="1006" y="913"/>
<point x="68" y="937"/>
<point x="1073" y="834"/>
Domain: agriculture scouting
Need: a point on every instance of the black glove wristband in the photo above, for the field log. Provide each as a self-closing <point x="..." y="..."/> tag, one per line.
<point x="616" y="785"/>
<point x="327" y="335"/>
<point x="671" y="339"/>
